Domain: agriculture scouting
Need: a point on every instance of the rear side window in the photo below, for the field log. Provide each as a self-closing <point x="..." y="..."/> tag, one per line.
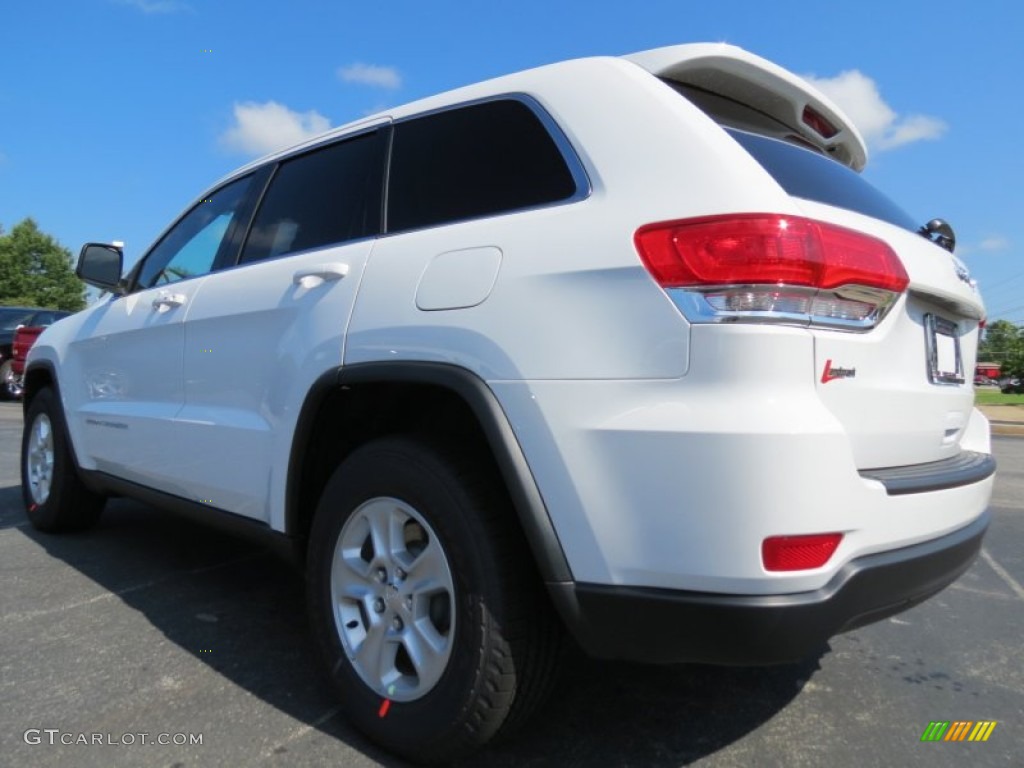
<point x="473" y="161"/>
<point x="321" y="198"/>
<point x="806" y="174"/>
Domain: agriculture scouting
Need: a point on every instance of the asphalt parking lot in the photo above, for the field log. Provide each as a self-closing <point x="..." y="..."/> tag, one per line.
<point x="154" y="625"/>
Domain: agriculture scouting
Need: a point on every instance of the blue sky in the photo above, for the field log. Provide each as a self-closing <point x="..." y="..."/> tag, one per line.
<point x="114" y="114"/>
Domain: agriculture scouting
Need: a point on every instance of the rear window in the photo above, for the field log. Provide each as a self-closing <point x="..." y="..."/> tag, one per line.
<point x="807" y="174"/>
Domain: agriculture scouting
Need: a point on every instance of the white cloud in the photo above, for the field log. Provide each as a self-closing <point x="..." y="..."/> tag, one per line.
<point x="372" y="75"/>
<point x="994" y="243"/>
<point x="263" y="128"/>
<point x="157" y="6"/>
<point x="882" y="128"/>
<point x="990" y="244"/>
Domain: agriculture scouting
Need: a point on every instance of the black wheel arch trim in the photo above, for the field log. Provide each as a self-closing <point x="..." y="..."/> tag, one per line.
<point x="508" y="454"/>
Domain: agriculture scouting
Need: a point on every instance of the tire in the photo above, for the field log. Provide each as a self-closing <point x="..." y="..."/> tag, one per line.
<point x="9" y="390"/>
<point x="401" y="518"/>
<point x="56" y="500"/>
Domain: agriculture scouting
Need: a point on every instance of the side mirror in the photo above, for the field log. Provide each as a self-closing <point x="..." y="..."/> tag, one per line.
<point x="100" y="265"/>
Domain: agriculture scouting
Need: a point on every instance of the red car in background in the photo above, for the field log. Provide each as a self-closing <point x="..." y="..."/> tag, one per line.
<point x="12" y="321"/>
<point x="24" y="338"/>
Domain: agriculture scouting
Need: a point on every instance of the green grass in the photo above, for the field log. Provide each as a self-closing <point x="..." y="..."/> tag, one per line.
<point x="997" y="398"/>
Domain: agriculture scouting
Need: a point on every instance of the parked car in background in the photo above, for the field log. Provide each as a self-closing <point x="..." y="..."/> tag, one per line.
<point x="11" y="319"/>
<point x="1011" y="385"/>
<point x="24" y="338"/>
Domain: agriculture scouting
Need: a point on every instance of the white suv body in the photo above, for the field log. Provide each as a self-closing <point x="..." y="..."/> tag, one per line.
<point x="660" y="428"/>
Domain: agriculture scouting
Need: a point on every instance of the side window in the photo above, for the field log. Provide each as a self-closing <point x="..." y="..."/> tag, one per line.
<point x="324" y="197"/>
<point x="473" y="161"/>
<point x="190" y="248"/>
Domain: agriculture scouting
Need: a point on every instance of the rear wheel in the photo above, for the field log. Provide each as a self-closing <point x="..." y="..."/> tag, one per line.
<point x="424" y="600"/>
<point x="55" y="498"/>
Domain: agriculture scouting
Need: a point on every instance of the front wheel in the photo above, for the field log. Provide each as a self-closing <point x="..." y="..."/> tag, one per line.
<point x="424" y="601"/>
<point x="55" y="498"/>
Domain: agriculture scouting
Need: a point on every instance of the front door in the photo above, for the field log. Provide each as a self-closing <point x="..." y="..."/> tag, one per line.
<point x="125" y="386"/>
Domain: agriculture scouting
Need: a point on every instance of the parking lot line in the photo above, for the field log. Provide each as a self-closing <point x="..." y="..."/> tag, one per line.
<point x="1003" y="573"/>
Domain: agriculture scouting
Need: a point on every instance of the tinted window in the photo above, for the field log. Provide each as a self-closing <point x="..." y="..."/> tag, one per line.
<point x="328" y="196"/>
<point x="191" y="246"/>
<point x="12" y="318"/>
<point x="473" y="161"/>
<point x="806" y="174"/>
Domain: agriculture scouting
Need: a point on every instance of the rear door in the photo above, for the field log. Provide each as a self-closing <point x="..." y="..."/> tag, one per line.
<point x="258" y="334"/>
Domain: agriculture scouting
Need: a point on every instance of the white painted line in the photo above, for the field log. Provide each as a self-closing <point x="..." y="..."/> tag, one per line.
<point x="986" y="592"/>
<point x="1003" y="574"/>
<point x="298" y="733"/>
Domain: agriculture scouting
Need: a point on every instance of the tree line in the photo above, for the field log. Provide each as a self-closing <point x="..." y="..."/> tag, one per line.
<point x="37" y="271"/>
<point x="1003" y="343"/>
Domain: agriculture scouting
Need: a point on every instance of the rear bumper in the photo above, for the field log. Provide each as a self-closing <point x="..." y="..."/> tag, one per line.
<point x="670" y="626"/>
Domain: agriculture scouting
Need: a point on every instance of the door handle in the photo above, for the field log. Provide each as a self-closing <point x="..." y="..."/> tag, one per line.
<point x="322" y="273"/>
<point x="166" y="301"/>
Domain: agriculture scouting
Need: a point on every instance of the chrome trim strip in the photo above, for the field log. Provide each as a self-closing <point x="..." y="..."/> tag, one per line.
<point x="693" y="305"/>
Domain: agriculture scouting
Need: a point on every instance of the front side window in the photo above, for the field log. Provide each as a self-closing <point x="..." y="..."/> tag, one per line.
<point x="477" y="160"/>
<point x="190" y="248"/>
<point x="321" y="198"/>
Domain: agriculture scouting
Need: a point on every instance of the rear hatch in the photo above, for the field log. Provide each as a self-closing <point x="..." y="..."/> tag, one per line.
<point x="901" y="384"/>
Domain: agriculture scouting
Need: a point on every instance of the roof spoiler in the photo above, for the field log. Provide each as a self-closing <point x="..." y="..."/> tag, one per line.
<point x="741" y="76"/>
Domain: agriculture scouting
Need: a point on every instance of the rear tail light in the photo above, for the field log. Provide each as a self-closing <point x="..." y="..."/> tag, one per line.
<point x="773" y="267"/>
<point x="798" y="553"/>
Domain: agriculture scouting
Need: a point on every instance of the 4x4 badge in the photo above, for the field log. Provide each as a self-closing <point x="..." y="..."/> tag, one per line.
<point x="831" y="374"/>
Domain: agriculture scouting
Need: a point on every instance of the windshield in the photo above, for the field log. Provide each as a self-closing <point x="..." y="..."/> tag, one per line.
<point x="807" y="174"/>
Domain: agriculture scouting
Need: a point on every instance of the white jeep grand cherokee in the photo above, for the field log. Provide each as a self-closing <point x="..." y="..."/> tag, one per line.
<point x="619" y="346"/>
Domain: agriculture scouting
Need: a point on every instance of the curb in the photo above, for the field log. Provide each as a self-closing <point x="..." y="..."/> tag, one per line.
<point x="1007" y="428"/>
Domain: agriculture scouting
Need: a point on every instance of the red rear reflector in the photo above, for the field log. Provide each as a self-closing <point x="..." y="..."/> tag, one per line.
<point x="817" y="122"/>
<point x="798" y="553"/>
<point x="766" y="249"/>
